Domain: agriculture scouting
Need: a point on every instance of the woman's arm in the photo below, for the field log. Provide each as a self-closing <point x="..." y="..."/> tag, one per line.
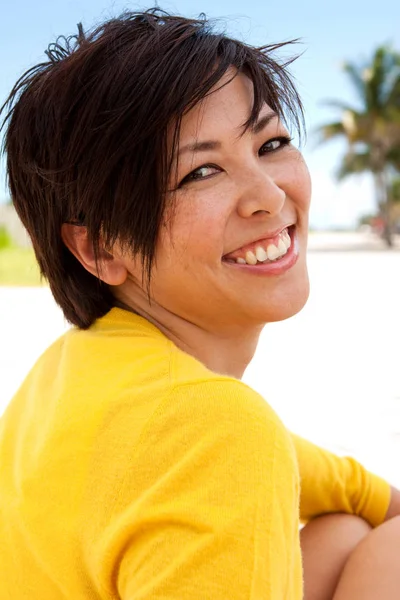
<point x="394" y="505"/>
<point x="330" y="483"/>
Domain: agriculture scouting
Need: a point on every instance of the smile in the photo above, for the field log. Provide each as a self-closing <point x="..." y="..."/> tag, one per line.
<point x="270" y="249"/>
<point x="272" y="255"/>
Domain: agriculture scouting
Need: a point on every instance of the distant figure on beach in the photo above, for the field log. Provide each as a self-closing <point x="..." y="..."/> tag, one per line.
<point x="152" y="163"/>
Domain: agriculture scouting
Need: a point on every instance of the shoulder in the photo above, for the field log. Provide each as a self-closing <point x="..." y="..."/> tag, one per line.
<point x="219" y="394"/>
<point x="191" y="379"/>
<point x="219" y="407"/>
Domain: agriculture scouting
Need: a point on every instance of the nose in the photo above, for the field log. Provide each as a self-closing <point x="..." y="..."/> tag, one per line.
<point x="261" y="192"/>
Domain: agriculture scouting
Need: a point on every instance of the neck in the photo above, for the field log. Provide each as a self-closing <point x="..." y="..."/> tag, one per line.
<point x="227" y="352"/>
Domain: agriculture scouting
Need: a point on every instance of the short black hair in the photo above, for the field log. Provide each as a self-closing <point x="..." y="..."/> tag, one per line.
<point x="86" y="136"/>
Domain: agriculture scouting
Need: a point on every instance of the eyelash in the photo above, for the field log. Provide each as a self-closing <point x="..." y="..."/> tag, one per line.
<point x="283" y="139"/>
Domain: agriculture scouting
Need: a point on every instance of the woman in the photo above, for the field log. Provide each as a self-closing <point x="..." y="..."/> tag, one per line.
<point x="167" y="206"/>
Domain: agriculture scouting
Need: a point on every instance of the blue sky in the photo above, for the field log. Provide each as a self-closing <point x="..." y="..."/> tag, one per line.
<point x="330" y="32"/>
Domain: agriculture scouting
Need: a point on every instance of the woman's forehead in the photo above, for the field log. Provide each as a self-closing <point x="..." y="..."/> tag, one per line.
<point x="223" y="112"/>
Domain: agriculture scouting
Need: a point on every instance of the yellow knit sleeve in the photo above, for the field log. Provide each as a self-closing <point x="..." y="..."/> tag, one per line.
<point x="330" y="483"/>
<point x="209" y="507"/>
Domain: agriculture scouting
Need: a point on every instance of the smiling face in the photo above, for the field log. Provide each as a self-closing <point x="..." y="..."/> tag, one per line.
<point x="239" y="197"/>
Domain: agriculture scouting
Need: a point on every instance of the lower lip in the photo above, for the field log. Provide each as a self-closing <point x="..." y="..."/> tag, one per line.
<point x="277" y="267"/>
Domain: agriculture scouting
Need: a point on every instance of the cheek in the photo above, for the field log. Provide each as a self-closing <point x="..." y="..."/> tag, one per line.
<point x="195" y="230"/>
<point x="301" y="185"/>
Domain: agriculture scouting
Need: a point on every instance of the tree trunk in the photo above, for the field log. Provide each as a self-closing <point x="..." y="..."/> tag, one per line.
<point x="389" y="215"/>
<point x="384" y="200"/>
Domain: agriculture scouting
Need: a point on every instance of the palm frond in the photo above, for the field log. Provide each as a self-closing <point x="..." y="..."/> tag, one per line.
<point x="395" y="190"/>
<point x="327" y="132"/>
<point x="393" y="97"/>
<point x="393" y="157"/>
<point x="339" y="104"/>
<point x="372" y="130"/>
<point x="354" y="163"/>
<point x="355" y="75"/>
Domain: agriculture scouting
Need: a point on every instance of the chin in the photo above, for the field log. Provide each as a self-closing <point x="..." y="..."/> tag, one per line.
<point x="287" y="305"/>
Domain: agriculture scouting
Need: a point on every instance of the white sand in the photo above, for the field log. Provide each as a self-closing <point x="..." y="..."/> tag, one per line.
<point x="332" y="372"/>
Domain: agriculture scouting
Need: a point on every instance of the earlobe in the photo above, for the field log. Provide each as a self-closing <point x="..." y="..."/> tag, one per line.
<point x="108" y="268"/>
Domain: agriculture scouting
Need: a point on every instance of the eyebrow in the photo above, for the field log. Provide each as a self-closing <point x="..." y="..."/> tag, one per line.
<point x="263" y="122"/>
<point x="207" y="145"/>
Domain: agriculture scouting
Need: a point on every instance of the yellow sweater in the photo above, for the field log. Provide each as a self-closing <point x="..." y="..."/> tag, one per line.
<point x="130" y="471"/>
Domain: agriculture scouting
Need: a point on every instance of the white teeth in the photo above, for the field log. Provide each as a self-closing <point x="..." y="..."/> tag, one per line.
<point x="282" y="247"/>
<point x="251" y="258"/>
<point x="273" y="252"/>
<point x="261" y="254"/>
<point x="286" y="238"/>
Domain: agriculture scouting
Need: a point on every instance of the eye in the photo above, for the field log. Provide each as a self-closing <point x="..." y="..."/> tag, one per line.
<point x="203" y="172"/>
<point x="275" y="144"/>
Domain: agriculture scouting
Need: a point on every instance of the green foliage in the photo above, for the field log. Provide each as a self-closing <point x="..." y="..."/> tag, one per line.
<point x="395" y="190"/>
<point x="5" y="238"/>
<point x="366" y="219"/>
<point x="372" y="130"/>
<point x="18" y="267"/>
<point x="353" y="163"/>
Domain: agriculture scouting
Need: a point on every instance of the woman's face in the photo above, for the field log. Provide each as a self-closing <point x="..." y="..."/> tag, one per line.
<point x="240" y="197"/>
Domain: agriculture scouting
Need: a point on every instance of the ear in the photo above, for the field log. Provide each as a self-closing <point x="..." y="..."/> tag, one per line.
<point x="109" y="268"/>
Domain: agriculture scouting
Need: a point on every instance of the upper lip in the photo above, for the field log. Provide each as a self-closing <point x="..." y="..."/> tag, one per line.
<point x="265" y="236"/>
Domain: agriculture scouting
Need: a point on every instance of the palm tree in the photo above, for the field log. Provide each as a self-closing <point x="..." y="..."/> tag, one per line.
<point x="373" y="130"/>
<point x="395" y="199"/>
<point x="396" y="190"/>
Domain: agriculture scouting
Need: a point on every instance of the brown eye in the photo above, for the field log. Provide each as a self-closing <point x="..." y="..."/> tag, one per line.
<point x="203" y="172"/>
<point x="275" y="144"/>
